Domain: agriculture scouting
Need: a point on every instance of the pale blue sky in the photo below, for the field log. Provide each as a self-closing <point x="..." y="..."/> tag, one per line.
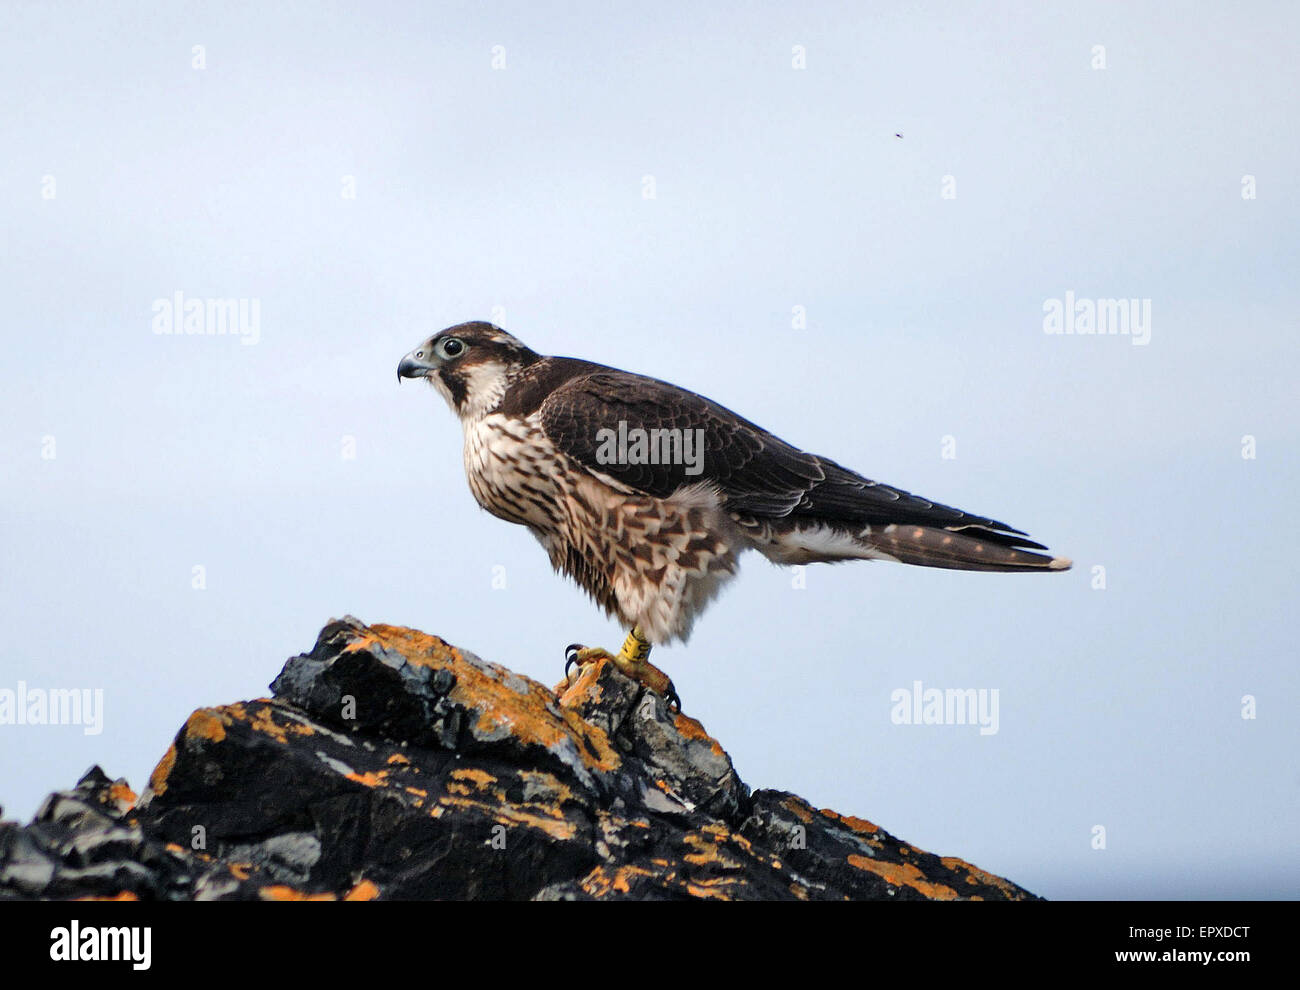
<point x="521" y="189"/>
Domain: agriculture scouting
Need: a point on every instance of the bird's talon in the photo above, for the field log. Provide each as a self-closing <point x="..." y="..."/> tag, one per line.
<point x="671" y="697"/>
<point x="571" y="654"/>
<point x="631" y="661"/>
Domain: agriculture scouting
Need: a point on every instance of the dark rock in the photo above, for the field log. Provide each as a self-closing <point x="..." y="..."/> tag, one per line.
<point x="390" y="764"/>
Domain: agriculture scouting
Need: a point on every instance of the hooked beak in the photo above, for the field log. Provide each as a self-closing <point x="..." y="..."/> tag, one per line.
<point x="417" y="364"/>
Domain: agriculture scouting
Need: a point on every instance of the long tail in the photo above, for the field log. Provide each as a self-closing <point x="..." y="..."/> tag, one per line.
<point x="975" y="549"/>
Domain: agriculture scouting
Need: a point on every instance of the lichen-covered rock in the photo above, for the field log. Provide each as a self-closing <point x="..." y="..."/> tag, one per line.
<point x="389" y="764"/>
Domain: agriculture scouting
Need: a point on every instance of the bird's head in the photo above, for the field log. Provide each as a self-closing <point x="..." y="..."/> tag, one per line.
<point x="471" y="365"/>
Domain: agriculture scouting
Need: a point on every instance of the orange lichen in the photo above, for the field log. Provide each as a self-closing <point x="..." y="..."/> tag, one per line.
<point x="372" y="778"/>
<point x="419" y="648"/>
<point x="122" y="796"/>
<point x="398" y="758"/>
<point x="860" y="825"/>
<point x="707" y="889"/>
<point x="540" y="780"/>
<point x="125" y="895"/>
<point x="600" y="882"/>
<point x="261" y="719"/>
<point x="530" y="715"/>
<point x="904" y="875"/>
<point x="797" y="808"/>
<point x="556" y="828"/>
<point x="280" y="892"/>
<point x="692" y="729"/>
<point x="362" y="643"/>
<point x="974" y="875"/>
<point x="708" y="852"/>
<point x="158" y="779"/>
<point x="481" y="779"/>
<point x="586" y="687"/>
<point x="206" y="723"/>
<point x="366" y="890"/>
<point x="541" y="817"/>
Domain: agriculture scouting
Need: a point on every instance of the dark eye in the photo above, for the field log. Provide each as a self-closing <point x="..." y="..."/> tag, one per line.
<point x="451" y="347"/>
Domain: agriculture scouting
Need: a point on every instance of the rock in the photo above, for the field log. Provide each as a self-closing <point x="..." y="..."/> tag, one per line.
<point x="389" y="764"/>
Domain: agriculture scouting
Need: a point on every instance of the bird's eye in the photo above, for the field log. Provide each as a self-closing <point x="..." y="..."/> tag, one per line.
<point x="451" y="347"/>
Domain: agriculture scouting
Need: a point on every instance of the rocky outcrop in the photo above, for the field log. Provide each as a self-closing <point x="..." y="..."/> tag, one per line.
<point x="389" y="764"/>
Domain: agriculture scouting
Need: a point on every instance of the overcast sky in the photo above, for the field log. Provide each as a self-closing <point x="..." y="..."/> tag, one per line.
<point x="666" y="191"/>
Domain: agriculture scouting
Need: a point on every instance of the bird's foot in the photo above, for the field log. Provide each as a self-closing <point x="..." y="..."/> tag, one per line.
<point x="631" y="660"/>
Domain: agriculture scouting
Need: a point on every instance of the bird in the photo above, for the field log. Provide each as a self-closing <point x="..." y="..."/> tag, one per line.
<point x="646" y="494"/>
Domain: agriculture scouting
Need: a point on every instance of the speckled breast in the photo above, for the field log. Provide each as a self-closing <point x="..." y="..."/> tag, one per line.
<point x="514" y="471"/>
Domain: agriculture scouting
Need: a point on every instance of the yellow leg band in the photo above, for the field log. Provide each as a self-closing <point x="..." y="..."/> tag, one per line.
<point x="636" y="648"/>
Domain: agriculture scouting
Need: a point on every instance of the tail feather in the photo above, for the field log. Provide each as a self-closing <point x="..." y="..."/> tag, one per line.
<point x="930" y="546"/>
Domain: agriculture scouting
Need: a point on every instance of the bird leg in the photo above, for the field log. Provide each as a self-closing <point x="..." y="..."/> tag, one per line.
<point x="632" y="660"/>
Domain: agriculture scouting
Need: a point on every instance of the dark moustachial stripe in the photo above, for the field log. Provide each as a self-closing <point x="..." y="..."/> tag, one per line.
<point x="455" y="384"/>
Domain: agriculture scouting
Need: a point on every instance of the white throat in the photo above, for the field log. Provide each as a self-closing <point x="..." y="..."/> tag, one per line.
<point x="485" y="387"/>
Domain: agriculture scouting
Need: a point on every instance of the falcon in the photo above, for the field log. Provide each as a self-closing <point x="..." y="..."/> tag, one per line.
<point x="647" y="494"/>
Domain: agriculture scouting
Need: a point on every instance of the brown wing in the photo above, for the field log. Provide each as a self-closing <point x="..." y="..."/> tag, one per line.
<point x="756" y="473"/>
